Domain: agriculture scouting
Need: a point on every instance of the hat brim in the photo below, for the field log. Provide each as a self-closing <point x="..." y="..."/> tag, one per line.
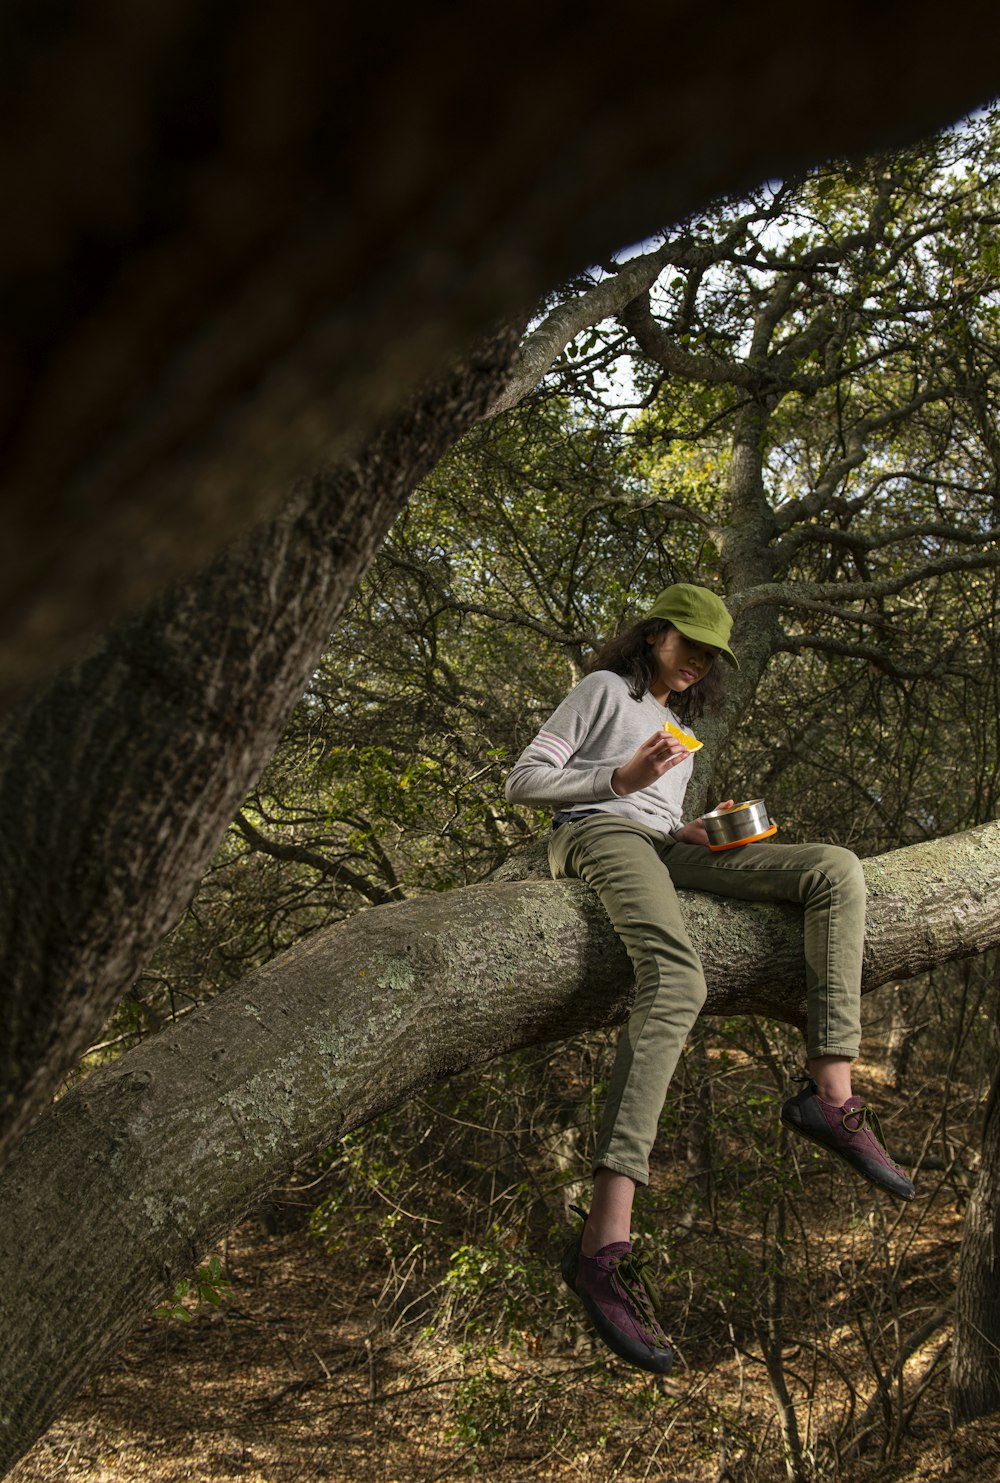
<point x="706" y="636"/>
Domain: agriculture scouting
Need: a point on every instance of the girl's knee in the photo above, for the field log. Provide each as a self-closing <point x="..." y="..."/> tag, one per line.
<point x="843" y="870"/>
<point x="849" y="866"/>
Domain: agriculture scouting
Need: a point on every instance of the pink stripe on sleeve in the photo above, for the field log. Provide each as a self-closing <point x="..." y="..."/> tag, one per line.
<point x="555" y="746"/>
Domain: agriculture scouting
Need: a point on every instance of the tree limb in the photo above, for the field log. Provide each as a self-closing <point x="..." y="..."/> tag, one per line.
<point x="798" y="510"/>
<point x="664" y="350"/>
<point x="812" y="595"/>
<point x="864" y="543"/>
<point x="868" y="653"/>
<point x="301" y="855"/>
<point x="542" y="348"/>
<point x="119" y="780"/>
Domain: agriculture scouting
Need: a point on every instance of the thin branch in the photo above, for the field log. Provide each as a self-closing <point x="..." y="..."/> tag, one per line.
<point x="542" y="348"/>
<point x="858" y="542"/>
<point x="522" y="620"/>
<point x="870" y="1416"/>
<point x="336" y="870"/>
<point x="812" y="596"/>
<point x="795" y="643"/>
<point x="857" y="450"/>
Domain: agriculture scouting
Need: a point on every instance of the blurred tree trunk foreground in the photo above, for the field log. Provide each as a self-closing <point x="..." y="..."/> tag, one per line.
<point x="239" y="237"/>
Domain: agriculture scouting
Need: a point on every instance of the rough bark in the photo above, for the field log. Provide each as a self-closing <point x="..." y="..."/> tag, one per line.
<point x="974" y="1388"/>
<point x="236" y="237"/>
<point x="149" y="1162"/>
<point x="118" y="781"/>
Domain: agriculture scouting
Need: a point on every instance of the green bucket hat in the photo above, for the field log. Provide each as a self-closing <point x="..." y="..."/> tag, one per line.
<point x="699" y="615"/>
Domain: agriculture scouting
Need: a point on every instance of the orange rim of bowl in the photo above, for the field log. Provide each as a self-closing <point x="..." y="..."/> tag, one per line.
<point x="734" y="844"/>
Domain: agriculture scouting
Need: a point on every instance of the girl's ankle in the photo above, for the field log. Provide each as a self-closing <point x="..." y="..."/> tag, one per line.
<point x="594" y="1239"/>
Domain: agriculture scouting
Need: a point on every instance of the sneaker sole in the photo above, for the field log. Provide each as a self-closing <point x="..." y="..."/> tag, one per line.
<point x="844" y="1156"/>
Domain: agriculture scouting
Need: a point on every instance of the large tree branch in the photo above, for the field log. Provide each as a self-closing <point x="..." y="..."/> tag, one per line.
<point x="118" y="781"/>
<point x="626" y="294"/>
<point x="863" y="543"/>
<point x="210" y="287"/>
<point x="160" y="1154"/>
<point x="666" y="351"/>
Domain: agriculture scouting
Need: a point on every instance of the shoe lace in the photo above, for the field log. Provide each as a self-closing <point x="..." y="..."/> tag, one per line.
<point x="630" y="1274"/>
<point x="866" y="1117"/>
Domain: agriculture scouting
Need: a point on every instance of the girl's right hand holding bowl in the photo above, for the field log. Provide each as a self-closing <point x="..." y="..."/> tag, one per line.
<point x="734" y="824"/>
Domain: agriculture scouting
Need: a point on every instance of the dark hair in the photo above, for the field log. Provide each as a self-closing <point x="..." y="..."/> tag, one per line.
<point x="631" y="656"/>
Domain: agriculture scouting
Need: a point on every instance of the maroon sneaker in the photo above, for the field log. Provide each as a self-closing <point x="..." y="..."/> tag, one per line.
<point x="853" y="1132"/>
<point x="615" y="1288"/>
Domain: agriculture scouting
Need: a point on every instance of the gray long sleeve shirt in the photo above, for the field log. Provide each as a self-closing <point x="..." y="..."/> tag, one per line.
<point x="597" y="728"/>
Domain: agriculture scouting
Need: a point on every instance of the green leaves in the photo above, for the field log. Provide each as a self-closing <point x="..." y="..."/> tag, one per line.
<point x="208" y="1287"/>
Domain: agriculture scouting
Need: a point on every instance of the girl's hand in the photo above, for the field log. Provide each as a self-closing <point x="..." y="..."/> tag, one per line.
<point x="695" y="832"/>
<point x="657" y="755"/>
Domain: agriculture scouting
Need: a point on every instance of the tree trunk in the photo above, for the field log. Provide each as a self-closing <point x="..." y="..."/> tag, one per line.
<point x="975" y="1357"/>
<point x="117" y="1191"/>
<point x="238" y="237"/>
<point x="118" y="781"/>
<point x="904" y="1029"/>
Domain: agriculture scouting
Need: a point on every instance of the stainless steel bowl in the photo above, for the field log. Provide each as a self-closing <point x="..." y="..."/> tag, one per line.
<point x="736" y="825"/>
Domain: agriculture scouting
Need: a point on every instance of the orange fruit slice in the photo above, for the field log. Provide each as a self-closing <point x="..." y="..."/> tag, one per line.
<point x="691" y="742"/>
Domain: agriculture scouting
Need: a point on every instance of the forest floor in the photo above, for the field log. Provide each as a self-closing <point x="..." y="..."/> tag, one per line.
<point x="308" y="1370"/>
<point x="275" y="1388"/>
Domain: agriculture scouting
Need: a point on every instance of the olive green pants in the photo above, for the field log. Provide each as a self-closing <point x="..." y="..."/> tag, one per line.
<point x="634" y="871"/>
